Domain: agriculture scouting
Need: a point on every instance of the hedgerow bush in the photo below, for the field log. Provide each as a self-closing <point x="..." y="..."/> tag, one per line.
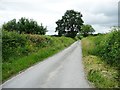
<point x="108" y="47"/>
<point x="15" y="45"/>
<point x="102" y="60"/>
<point x="11" y="42"/>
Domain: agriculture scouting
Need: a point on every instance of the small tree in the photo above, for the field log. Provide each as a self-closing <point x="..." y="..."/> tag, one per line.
<point x="10" y="25"/>
<point x="70" y="24"/>
<point x="87" y="30"/>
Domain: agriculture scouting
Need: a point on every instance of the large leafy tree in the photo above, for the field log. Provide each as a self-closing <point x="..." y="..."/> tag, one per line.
<point x="70" y="24"/>
<point x="86" y="30"/>
<point x="25" y="26"/>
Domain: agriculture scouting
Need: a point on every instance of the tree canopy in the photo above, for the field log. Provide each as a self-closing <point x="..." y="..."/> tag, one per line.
<point x="70" y="24"/>
<point x="25" y="26"/>
<point x="86" y="30"/>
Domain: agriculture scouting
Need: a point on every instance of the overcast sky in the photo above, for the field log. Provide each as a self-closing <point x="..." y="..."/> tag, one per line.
<point x="101" y="14"/>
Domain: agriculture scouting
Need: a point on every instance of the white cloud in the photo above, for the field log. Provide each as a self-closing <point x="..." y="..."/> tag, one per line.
<point x="101" y="14"/>
<point x="100" y="18"/>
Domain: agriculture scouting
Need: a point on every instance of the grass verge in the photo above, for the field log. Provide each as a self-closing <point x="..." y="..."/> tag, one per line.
<point x="100" y="74"/>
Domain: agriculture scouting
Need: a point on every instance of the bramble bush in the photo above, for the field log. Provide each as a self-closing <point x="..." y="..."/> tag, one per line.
<point x="102" y="53"/>
<point x="108" y="47"/>
<point x="15" y="45"/>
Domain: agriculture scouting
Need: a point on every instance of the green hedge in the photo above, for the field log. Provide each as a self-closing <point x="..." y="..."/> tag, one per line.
<point x="15" y="45"/>
<point x="108" y="47"/>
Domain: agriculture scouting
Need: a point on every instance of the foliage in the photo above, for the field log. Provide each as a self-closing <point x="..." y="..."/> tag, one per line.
<point x="70" y="23"/>
<point x="15" y="45"/>
<point x="108" y="47"/>
<point x="79" y="36"/>
<point x="10" y="25"/>
<point x="100" y="74"/>
<point x="25" y="26"/>
<point x="86" y="30"/>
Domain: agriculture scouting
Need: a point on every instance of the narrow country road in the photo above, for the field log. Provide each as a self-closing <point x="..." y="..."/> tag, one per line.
<point x="63" y="70"/>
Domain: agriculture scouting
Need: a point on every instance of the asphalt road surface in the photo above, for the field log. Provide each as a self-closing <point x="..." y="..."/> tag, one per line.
<point x="63" y="70"/>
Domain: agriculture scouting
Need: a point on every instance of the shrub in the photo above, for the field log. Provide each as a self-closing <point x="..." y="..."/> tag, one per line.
<point x="11" y="42"/>
<point x="15" y="45"/>
<point x="108" y="47"/>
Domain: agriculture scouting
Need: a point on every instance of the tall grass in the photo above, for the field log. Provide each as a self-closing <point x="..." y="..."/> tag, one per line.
<point x="20" y="51"/>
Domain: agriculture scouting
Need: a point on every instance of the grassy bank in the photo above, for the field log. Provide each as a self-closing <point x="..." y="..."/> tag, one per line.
<point x="101" y="59"/>
<point x="21" y="51"/>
